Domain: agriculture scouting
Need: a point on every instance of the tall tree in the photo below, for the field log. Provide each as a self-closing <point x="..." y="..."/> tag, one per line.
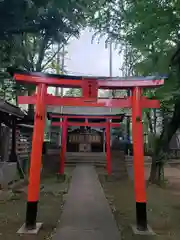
<point x="31" y="29"/>
<point x="151" y="30"/>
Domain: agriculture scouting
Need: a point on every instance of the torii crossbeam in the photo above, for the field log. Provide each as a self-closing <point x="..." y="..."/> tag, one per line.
<point x="89" y="86"/>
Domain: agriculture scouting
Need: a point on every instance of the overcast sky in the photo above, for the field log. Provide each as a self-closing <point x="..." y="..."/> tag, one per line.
<point x="90" y="59"/>
<point x="87" y="58"/>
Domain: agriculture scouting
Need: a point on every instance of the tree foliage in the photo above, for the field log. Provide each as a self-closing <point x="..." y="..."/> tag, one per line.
<point x="73" y="92"/>
<point x="31" y="29"/>
<point x="52" y="17"/>
<point x="147" y="33"/>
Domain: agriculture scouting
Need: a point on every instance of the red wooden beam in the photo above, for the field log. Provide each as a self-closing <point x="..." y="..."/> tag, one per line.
<point x="127" y="83"/>
<point x="77" y="124"/>
<point x="85" y="116"/>
<point x="102" y="83"/>
<point x="149" y="103"/>
<point x="50" y="81"/>
<point x="72" y="101"/>
<point x="27" y="100"/>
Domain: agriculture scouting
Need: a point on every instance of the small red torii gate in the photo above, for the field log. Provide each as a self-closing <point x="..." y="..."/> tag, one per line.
<point x="107" y="125"/>
<point x="90" y="86"/>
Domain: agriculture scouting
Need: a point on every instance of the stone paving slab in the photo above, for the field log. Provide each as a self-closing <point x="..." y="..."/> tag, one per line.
<point x="87" y="214"/>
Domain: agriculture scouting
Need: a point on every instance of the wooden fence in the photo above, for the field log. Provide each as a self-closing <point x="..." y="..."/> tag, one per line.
<point x="23" y="144"/>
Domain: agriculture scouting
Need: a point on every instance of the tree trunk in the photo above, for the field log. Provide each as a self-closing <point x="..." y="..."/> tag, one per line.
<point x="31" y="106"/>
<point x="150" y="125"/>
<point x="162" y="146"/>
<point x="42" y="49"/>
<point x="157" y="171"/>
<point x="38" y="68"/>
<point x="155" y="120"/>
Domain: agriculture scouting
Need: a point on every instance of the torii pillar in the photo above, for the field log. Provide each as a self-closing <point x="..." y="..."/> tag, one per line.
<point x="35" y="166"/>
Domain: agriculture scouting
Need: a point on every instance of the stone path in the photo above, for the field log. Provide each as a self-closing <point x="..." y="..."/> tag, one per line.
<point x="86" y="214"/>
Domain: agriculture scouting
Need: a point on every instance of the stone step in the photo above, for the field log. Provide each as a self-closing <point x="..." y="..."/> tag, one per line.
<point x="96" y="164"/>
<point x="85" y="160"/>
<point x="85" y="154"/>
<point x="51" y="161"/>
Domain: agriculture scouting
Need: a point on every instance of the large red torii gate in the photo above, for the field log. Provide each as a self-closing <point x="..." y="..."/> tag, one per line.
<point x="90" y="86"/>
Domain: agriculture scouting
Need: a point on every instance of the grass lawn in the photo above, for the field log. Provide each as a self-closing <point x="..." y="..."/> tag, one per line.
<point x="163" y="209"/>
<point x="13" y="209"/>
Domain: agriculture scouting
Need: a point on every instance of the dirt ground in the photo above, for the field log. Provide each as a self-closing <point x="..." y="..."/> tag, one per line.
<point x="163" y="208"/>
<point x="13" y="208"/>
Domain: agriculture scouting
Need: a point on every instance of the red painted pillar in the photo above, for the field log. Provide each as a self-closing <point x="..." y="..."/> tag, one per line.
<point x="63" y="145"/>
<point x="108" y="147"/>
<point x="138" y="152"/>
<point x="36" y="155"/>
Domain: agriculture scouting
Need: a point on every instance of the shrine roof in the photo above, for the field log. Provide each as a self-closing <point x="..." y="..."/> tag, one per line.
<point x="11" y="109"/>
<point x="8" y="112"/>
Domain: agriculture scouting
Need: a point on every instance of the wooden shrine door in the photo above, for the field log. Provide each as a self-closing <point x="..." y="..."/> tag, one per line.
<point x="84" y="141"/>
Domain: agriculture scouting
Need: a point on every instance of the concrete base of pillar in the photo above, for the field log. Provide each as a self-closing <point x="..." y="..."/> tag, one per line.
<point x="24" y="230"/>
<point x="148" y="232"/>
